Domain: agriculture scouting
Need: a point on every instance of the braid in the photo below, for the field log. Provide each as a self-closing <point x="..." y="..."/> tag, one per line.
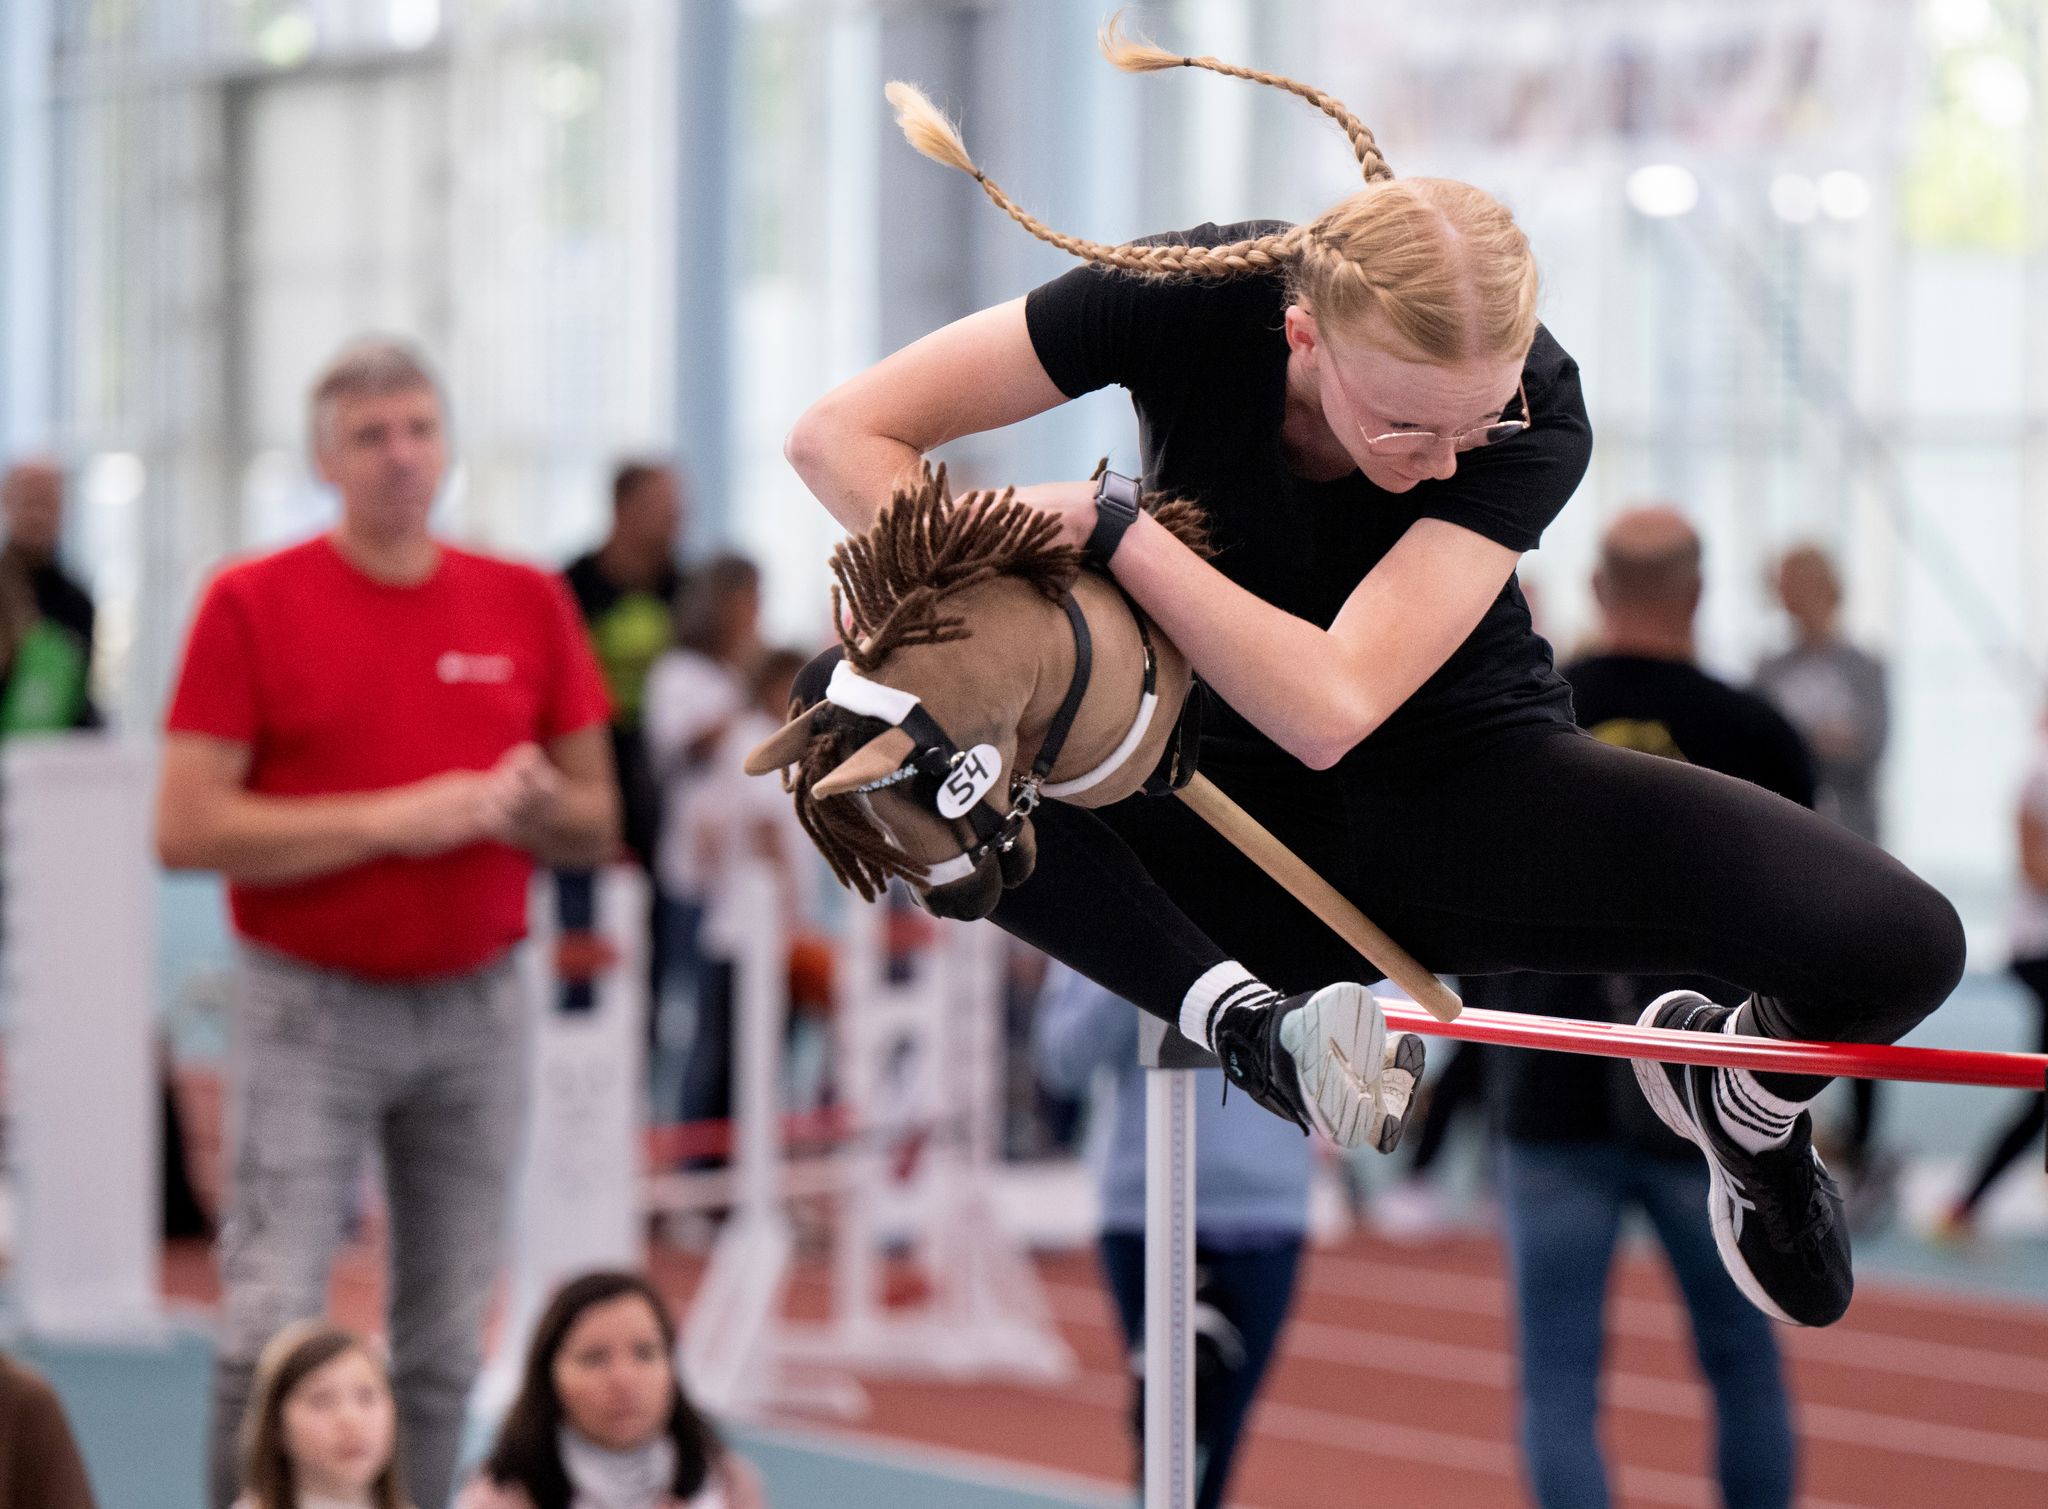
<point x="1134" y="55"/>
<point x="937" y="138"/>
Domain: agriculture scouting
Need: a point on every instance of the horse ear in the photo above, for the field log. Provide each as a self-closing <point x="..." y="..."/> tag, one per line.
<point x="880" y="756"/>
<point x="784" y="747"/>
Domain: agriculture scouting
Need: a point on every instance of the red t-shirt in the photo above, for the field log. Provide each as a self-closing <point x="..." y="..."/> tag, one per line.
<point x="339" y="683"/>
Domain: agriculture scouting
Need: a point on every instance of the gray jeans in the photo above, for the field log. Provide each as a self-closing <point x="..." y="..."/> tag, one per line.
<point x="320" y="1065"/>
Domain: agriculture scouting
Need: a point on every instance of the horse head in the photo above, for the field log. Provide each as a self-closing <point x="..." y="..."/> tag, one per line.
<point x="968" y="683"/>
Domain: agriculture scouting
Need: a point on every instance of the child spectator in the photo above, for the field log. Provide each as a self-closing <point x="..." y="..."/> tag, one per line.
<point x="322" y="1426"/>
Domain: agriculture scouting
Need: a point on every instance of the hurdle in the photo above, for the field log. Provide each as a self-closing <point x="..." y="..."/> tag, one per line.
<point x="919" y="1063"/>
<point x="1169" y="1059"/>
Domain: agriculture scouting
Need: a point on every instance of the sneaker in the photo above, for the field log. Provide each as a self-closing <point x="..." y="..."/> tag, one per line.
<point x="1325" y="1061"/>
<point x="1777" y="1216"/>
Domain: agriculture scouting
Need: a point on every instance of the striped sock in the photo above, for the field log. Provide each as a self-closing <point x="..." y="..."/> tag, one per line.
<point x="1224" y="987"/>
<point x="1757" y="1119"/>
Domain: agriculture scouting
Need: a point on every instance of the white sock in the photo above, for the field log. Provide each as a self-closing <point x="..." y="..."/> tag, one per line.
<point x="1224" y="987"/>
<point x="1755" y="1117"/>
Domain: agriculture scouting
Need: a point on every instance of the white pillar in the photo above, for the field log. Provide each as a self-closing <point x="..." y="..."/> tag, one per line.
<point x="1169" y="1061"/>
<point x="82" y="1062"/>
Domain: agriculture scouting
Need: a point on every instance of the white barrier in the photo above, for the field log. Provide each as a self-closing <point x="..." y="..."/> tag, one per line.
<point x="576" y="1195"/>
<point x="918" y="1064"/>
<point x="80" y="917"/>
<point x="731" y="1346"/>
<point x="1169" y="1061"/>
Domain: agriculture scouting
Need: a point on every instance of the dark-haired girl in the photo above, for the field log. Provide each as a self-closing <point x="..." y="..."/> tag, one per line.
<point x="601" y="1420"/>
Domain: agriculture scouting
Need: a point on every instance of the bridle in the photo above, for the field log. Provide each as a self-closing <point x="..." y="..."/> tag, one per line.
<point x="962" y="782"/>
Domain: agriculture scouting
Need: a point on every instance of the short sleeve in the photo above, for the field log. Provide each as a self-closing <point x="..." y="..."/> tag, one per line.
<point x="1510" y="492"/>
<point x="577" y="697"/>
<point x="217" y="689"/>
<point x="1097" y="327"/>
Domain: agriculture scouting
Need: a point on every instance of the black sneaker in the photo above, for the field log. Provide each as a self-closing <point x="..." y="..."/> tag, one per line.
<point x="1777" y="1216"/>
<point x="1324" y="1061"/>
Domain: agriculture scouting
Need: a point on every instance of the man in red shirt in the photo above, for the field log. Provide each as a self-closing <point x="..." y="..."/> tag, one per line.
<point x="373" y="738"/>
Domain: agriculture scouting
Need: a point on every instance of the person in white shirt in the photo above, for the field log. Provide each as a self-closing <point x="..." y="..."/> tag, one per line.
<point x="694" y="691"/>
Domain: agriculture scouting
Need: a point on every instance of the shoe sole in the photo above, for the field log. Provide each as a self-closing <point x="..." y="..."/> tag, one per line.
<point x="1338" y="1041"/>
<point x="1675" y="1113"/>
<point x="1400" y="1073"/>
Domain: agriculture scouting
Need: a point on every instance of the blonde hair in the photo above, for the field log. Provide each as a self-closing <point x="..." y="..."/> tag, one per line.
<point x="1441" y="261"/>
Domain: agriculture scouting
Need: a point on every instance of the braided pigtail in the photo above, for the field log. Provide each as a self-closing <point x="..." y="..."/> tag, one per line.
<point x="1136" y="55"/>
<point x="937" y="138"/>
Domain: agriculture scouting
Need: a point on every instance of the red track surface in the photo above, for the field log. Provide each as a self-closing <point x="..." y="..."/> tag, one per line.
<point x="1395" y="1385"/>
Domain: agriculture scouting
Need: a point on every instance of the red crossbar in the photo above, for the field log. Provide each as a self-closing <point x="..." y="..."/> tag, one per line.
<point x="2021" y="1071"/>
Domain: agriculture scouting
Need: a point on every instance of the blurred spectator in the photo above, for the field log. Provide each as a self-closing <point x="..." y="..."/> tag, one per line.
<point x="601" y="1420"/>
<point x="372" y="736"/>
<point x="39" y="1463"/>
<point x="1834" y="694"/>
<point x="694" y="693"/>
<point x="2030" y="963"/>
<point x="627" y="590"/>
<point x="1251" y="1212"/>
<point x="46" y="618"/>
<point x="733" y="815"/>
<point x="1579" y="1144"/>
<point x="322" y="1429"/>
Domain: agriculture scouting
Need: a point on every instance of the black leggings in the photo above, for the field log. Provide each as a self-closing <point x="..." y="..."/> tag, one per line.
<point x="1541" y="849"/>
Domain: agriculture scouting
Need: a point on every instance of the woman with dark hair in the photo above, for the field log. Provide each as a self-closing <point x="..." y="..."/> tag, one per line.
<point x="322" y="1426"/>
<point x="601" y="1421"/>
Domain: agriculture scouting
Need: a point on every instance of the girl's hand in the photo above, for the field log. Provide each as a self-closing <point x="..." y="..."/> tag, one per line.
<point x="1072" y="503"/>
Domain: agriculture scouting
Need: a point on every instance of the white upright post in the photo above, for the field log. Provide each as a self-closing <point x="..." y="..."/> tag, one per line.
<point x="733" y="1350"/>
<point x="81" y="1016"/>
<point x="1169" y="1273"/>
<point x="576" y="1195"/>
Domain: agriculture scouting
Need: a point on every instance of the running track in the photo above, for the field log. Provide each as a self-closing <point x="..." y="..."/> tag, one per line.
<point x="1395" y="1385"/>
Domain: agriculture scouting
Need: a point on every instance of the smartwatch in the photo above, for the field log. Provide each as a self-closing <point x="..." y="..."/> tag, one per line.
<point x="1116" y="509"/>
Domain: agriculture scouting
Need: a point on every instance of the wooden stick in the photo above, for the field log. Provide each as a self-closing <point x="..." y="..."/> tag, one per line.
<point x="1251" y="838"/>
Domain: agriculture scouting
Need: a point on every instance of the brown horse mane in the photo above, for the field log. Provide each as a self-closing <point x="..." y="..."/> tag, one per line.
<point x="892" y="583"/>
<point x="925" y="547"/>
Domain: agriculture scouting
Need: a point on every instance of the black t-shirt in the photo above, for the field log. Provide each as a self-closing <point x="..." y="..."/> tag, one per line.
<point x="1205" y="364"/>
<point x="629" y="628"/>
<point x="1661" y="707"/>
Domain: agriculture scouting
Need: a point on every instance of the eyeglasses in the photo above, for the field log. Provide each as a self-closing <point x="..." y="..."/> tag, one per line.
<point x="1425" y="442"/>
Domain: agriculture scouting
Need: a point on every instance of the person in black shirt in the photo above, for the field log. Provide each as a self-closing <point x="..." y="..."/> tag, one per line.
<point x="1378" y="427"/>
<point x="46" y="618"/>
<point x="627" y="590"/>
<point x="1578" y="1145"/>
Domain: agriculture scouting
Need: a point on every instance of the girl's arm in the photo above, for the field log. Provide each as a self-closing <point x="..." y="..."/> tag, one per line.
<point x="1315" y="692"/>
<point x="978" y="373"/>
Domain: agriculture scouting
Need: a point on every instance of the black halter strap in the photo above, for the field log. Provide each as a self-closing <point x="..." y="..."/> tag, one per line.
<point x="938" y="757"/>
<point x="1077" y="691"/>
